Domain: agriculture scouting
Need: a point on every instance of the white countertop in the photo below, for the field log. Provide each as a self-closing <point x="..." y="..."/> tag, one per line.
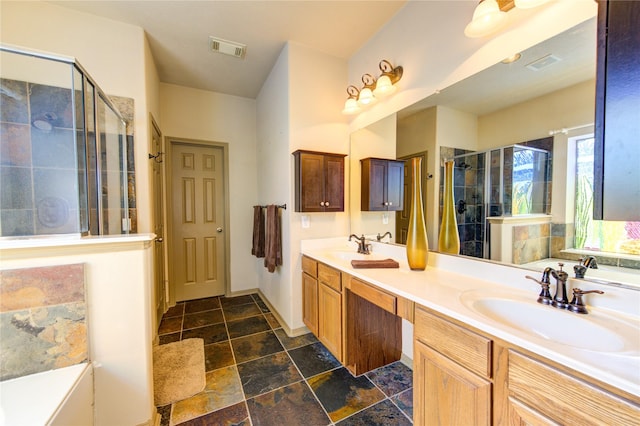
<point x="447" y="278"/>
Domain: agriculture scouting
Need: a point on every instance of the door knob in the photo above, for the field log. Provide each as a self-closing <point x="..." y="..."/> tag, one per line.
<point x="159" y="240"/>
<point x="219" y="229"/>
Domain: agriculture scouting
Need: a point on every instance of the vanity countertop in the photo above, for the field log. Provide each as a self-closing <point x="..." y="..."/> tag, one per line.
<point x="448" y="280"/>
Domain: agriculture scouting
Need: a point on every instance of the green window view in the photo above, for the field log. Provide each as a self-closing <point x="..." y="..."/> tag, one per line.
<point x="598" y="235"/>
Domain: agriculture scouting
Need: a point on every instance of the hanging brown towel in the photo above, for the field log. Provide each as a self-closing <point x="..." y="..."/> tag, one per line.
<point x="273" y="240"/>
<point x="258" y="232"/>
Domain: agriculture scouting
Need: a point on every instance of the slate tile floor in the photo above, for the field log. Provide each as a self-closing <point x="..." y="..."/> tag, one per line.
<point x="257" y="375"/>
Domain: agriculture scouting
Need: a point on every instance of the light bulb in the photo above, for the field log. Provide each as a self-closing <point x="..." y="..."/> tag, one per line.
<point x="366" y="97"/>
<point x="384" y="86"/>
<point x="487" y="18"/>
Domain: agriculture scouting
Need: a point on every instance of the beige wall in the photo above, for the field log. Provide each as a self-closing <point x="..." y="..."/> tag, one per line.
<point x="299" y="107"/>
<point x="187" y="113"/>
<point x="116" y="55"/>
<point x="376" y="140"/>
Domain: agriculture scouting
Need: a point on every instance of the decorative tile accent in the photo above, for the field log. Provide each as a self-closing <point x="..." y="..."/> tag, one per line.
<point x="295" y="342"/>
<point x="295" y="403"/>
<point x="393" y="378"/>
<point x="255" y="346"/>
<point x="42" y="319"/>
<point x="313" y="359"/>
<point x="222" y="390"/>
<point x="341" y="394"/>
<point x="268" y="373"/>
<point x="241" y="311"/>
<point x="246" y="326"/>
<point x="384" y="413"/>
<point x="45" y="286"/>
<point x="200" y="319"/>
<point x="234" y="415"/>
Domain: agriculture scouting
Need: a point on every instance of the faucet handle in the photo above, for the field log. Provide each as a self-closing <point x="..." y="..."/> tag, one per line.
<point x="545" y="296"/>
<point x="576" y="304"/>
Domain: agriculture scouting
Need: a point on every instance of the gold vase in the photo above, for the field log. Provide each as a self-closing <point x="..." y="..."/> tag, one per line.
<point x="417" y="245"/>
<point x="449" y="239"/>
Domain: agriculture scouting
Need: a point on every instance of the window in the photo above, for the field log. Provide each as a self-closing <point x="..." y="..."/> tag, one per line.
<point x="598" y="235"/>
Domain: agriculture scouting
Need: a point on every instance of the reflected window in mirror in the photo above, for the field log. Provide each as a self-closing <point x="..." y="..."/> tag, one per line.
<point x="598" y="235"/>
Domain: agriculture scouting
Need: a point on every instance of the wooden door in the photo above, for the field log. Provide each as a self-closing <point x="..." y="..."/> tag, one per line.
<point x="402" y="216"/>
<point x="160" y="291"/>
<point x="446" y="393"/>
<point x="197" y="205"/>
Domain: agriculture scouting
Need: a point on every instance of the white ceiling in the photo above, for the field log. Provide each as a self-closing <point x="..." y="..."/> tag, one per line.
<point x="178" y="33"/>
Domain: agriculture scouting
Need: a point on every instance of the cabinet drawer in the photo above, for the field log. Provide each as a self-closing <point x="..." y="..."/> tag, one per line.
<point x="310" y="266"/>
<point x="563" y="397"/>
<point x="329" y="276"/>
<point x="373" y="295"/>
<point x="463" y="346"/>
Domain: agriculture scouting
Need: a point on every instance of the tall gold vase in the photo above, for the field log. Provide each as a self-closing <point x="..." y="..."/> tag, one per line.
<point x="417" y="245"/>
<point x="449" y="239"/>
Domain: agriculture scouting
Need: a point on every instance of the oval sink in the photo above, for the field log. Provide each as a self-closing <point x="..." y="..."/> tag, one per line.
<point x="354" y="255"/>
<point x="593" y="332"/>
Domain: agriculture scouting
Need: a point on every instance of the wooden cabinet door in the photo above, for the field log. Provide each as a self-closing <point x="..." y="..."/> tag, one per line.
<point x="395" y="185"/>
<point x="330" y="319"/>
<point x="446" y="393"/>
<point x="310" y="302"/>
<point x="334" y="183"/>
<point x="521" y="415"/>
<point x="373" y="184"/>
<point x="310" y="177"/>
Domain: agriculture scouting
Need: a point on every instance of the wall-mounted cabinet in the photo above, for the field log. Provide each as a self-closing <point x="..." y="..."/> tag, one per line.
<point x="617" y="123"/>
<point x="319" y="181"/>
<point x="382" y="184"/>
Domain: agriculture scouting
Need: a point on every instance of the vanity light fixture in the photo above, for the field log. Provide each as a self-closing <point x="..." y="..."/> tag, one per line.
<point x="372" y="88"/>
<point x="511" y="59"/>
<point x="491" y="15"/>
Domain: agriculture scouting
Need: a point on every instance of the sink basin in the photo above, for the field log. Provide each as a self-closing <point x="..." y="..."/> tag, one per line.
<point x="354" y="255"/>
<point x="594" y="331"/>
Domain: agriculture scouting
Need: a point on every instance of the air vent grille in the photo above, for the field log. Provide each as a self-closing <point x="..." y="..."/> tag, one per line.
<point x="227" y="47"/>
<point x="543" y="62"/>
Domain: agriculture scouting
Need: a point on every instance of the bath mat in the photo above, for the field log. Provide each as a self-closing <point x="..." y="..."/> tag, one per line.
<point x="178" y="371"/>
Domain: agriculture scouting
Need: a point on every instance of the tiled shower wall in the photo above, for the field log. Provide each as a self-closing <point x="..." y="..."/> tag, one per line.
<point x="42" y="319"/>
<point x="530" y="243"/>
<point x="38" y="169"/>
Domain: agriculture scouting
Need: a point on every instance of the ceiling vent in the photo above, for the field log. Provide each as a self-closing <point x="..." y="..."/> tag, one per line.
<point x="543" y="62"/>
<point x="227" y="47"/>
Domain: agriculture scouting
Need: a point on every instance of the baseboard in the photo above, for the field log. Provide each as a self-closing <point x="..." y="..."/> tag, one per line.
<point x="289" y="331"/>
<point x="406" y="361"/>
<point x="242" y="292"/>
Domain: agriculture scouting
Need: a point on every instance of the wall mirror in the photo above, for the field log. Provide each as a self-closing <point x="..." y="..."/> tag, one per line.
<point x="544" y="99"/>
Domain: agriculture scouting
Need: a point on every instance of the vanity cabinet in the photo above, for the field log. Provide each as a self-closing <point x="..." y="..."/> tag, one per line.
<point x="310" y="294"/>
<point x="537" y="390"/>
<point x="452" y="373"/>
<point x="617" y="119"/>
<point x="382" y="183"/>
<point x="322" y="303"/>
<point x="319" y="181"/>
<point x="463" y="376"/>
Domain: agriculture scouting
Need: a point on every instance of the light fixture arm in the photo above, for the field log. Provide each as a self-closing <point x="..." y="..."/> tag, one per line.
<point x="394" y="74"/>
<point x="353" y="92"/>
<point x="368" y="81"/>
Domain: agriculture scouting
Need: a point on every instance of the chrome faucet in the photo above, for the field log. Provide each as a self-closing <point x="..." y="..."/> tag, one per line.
<point x="363" y="247"/>
<point x="380" y="237"/>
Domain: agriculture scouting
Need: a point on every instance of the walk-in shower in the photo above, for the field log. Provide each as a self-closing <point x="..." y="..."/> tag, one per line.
<point x="63" y="150"/>
<point x="507" y="181"/>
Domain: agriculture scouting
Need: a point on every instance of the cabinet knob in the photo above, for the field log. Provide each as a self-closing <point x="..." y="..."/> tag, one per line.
<point x="321" y="203"/>
<point x="390" y="203"/>
<point x="326" y="204"/>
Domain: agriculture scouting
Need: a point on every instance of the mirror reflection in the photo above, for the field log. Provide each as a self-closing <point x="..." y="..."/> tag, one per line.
<point x="520" y="134"/>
